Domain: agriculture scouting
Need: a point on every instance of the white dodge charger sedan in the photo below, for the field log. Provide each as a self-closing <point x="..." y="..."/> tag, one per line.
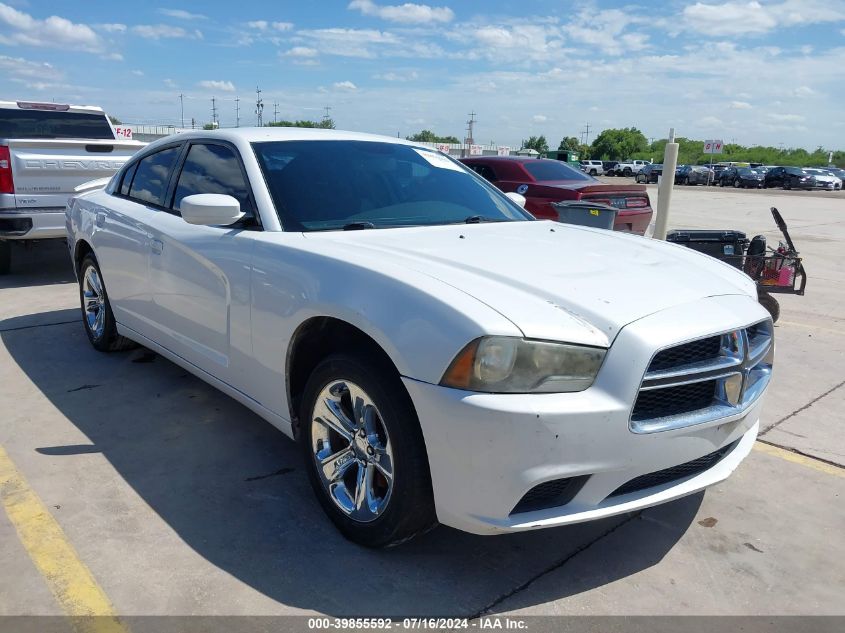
<point x="439" y="354"/>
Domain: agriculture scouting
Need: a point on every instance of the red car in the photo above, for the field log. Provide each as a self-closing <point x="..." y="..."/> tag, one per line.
<point x="545" y="181"/>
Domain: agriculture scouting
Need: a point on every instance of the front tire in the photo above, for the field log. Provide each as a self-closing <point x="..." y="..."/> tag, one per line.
<point x="97" y="316"/>
<point x="364" y="451"/>
<point x="769" y="303"/>
<point x="737" y="183"/>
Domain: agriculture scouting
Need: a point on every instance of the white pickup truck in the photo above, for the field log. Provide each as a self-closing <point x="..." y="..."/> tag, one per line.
<point x="46" y="151"/>
<point x="629" y="167"/>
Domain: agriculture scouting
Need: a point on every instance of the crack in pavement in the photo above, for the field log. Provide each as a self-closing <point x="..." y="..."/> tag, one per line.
<point x="804" y="408"/>
<point x="29" y="327"/>
<point x="521" y="587"/>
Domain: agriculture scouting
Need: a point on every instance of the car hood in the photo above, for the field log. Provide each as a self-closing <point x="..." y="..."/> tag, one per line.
<point x="553" y="281"/>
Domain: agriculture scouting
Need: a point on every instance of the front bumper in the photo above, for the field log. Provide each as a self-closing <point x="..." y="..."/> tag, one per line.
<point x="33" y="225"/>
<point x="486" y="451"/>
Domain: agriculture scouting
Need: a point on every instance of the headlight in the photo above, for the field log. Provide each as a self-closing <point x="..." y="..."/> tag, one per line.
<point x="502" y="364"/>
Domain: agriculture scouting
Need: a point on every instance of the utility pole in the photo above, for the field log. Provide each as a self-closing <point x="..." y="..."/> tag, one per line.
<point x="182" y="108"/>
<point x="259" y="107"/>
<point x="470" y="140"/>
<point x="586" y="134"/>
<point x="327" y="116"/>
<point x="237" y="112"/>
<point x="214" y="122"/>
<point x="275" y="110"/>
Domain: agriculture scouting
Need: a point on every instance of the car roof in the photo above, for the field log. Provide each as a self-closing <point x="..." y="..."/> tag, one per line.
<point x="267" y="134"/>
<point x="508" y="159"/>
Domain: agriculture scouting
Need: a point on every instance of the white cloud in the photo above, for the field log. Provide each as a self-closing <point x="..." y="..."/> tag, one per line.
<point x="112" y="57"/>
<point x="527" y="41"/>
<point x="753" y="17"/>
<point x="301" y="51"/>
<point x="20" y="67"/>
<point x="138" y="73"/>
<point x="348" y="42"/>
<point x="803" y="91"/>
<point x="169" y="83"/>
<point x="264" y="25"/>
<point x="605" y="30"/>
<point x="347" y="86"/>
<point x="181" y="14"/>
<point x="407" y="13"/>
<point x="395" y="76"/>
<point x="217" y="84"/>
<point x="740" y="105"/>
<point x="539" y="118"/>
<point x="111" y="28"/>
<point x="55" y="32"/>
<point x="786" y="118"/>
<point x="164" y="31"/>
<point x="711" y="121"/>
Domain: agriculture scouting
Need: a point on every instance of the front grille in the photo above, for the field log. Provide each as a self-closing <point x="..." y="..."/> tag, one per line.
<point x="550" y="494"/>
<point x="674" y="473"/>
<point x="660" y="403"/>
<point x="704" y="380"/>
<point x="694" y="352"/>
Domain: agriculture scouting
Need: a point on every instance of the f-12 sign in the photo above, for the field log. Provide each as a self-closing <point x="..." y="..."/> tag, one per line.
<point x="713" y="147"/>
<point x="123" y="133"/>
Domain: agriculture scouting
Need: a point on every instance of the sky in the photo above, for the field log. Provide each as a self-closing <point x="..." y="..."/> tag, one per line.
<point x="748" y="71"/>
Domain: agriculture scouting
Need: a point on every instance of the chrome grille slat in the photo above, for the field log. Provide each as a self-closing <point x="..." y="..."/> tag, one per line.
<point x="739" y="370"/>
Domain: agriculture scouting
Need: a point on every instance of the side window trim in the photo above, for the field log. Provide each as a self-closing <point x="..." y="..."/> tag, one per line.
<point x="134" y="166"/>
<point x="170" y="198"/>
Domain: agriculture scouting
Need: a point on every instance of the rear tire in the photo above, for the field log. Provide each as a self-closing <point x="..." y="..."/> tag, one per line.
<point x="366" y="400"/>
<point x="626" y="172"/>
<point x="5" y="257"/>
<point x="97" y="317"/>
<point x="737" y="183"/>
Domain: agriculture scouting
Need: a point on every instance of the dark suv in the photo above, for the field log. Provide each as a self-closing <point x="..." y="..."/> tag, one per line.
<point x="609" y="167"/>
<point x="788" y="178"/>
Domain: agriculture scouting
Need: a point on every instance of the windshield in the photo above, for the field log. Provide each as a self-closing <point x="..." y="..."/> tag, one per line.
<point x="544" y="170"/>
<point x="16" y="123"/>
<point x="331" y="185"/>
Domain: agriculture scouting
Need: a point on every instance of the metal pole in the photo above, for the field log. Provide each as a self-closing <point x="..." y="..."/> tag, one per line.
<point x="182" y="108"/>
<point x="664" y="189"/>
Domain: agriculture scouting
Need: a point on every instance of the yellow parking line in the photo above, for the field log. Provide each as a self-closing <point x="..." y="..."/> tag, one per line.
<point x="69" y="579"/>
<point x="797" y="458"/>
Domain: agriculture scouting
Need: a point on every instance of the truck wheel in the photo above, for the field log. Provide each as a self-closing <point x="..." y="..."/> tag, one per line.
<point x="626" y="172"/>
<point x="770" y="303"/>
<point x="737" y="183"/>
<point x="593" y="172"/>
<point x="5" y="257"/>
<point x="364" y="451"/>
<point x="97" y="317"/>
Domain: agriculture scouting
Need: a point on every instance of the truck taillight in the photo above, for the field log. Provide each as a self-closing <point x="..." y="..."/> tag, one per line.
<point x="7" y="185"/>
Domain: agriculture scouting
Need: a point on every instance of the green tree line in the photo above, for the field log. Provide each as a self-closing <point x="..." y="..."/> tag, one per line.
<point x="625" y="143"/>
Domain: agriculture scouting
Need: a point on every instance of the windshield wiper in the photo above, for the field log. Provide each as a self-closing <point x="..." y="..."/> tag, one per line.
<point x="358" y="226"/>
<point x="478" y="219"/>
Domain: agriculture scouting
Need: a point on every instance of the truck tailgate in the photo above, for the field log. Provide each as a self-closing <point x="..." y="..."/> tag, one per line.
<point x="45" y="172"/>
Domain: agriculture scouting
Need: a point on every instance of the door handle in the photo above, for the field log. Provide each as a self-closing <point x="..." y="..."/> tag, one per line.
<point x="156" y="246"/>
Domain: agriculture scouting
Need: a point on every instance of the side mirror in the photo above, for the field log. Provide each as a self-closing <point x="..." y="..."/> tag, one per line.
<point x="516" y="197"/>
<point x="210" y="209"/>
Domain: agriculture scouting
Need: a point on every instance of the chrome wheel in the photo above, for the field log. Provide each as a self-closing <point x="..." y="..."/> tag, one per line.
<point x="94" y="301"/>
<point x="352" y="451"/>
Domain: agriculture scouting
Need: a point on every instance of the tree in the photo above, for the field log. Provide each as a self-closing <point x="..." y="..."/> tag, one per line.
<point x="114" y="120"/>
<point x="427" y="136"/>
<point x="325" y="123"/>
<point x="537" y="143"/>
<point x="569" y="142"/>
<point x="619" y="144"/>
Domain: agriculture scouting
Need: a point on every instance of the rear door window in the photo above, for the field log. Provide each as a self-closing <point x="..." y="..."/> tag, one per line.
<point x="213" y="169"/>
<point x="152" y="176"/>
